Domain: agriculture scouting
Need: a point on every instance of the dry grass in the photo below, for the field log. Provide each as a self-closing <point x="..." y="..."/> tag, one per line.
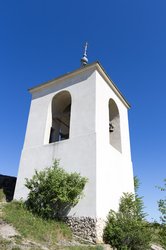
<point x="34" y="228"/>
<point x="38" y="232"/>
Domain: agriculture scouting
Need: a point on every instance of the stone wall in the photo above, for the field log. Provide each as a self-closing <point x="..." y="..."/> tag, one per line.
<point x="86" y="228"/>
<point x="7" y="184"/>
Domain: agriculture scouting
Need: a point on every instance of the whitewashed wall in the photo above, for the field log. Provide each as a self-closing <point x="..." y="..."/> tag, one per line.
<point x="87" y="150"/>
<point x="114" y="169"/>
<point x="78" y="153"/>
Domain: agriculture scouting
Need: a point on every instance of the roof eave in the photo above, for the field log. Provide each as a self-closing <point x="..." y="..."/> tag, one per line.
<point x="64" y="76"/>
<point x="112" y="85"/>
<point x="96" y="65"/>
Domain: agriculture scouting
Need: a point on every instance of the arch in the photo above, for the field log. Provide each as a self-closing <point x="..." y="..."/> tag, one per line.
<point x="61" y="110"/>
<point x="114" y="126"/>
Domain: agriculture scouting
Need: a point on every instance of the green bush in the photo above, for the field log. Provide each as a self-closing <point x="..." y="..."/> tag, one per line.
<point x="53" y="191"/>
<point x="126" y="229"/>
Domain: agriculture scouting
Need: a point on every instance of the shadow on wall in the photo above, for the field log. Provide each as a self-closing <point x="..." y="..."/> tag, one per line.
<point x="7" y="184"/>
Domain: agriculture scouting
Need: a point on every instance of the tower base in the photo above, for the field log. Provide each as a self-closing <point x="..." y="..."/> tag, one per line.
<point x="87" y="228"/>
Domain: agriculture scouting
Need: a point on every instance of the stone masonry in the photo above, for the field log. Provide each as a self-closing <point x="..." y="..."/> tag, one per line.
<point x="86" y="228"/>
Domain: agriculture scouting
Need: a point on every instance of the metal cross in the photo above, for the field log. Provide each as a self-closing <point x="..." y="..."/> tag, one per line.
<point x="85" y="49"/>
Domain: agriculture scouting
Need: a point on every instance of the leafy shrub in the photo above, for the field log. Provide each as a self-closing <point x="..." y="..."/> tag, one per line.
<point x="126" y="229"/>
<point x="162" y="235"/>
<point x="53" y="191"/>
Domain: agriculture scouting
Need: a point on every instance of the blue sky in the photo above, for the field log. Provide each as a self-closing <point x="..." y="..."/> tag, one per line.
<point x="41" y="39"/>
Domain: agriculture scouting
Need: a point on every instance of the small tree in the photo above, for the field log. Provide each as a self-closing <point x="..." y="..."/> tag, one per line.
<point x="127" y="228"/>
<point x="53" y="191"/>
<point x="162" y="204"/>
<point x="162" y="209"/>
<point x="139" y="200"/>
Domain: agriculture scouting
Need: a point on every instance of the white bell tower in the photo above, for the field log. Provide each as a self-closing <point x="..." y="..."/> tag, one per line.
<point x="81" y="118"/>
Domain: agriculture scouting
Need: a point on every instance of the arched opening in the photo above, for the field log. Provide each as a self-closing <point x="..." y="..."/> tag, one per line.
<point x="61" y="109"/>
<point x="114" y="126"/>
